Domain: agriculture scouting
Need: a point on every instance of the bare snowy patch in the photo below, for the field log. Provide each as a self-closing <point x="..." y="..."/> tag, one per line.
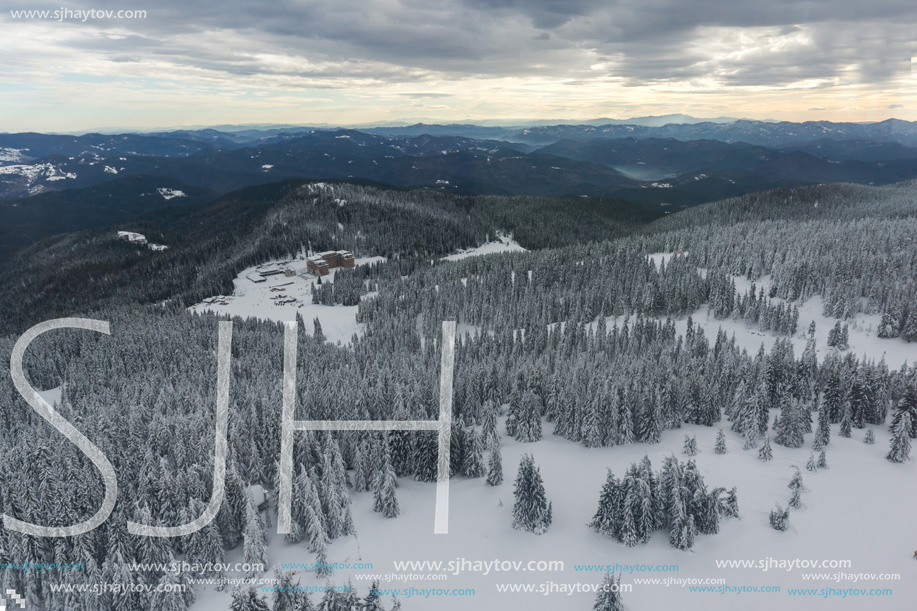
<point x="170" y="193"/>
<point x="503" y="243"/>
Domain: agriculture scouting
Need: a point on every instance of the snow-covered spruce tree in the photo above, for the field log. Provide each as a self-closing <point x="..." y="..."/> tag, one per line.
<point x="247" y="600"/>
<point x="627" y="533"/>
<point x="348" y="599"/>
<point x="313" y="527"/>
<point x="846" y="428"/>
<point x="531" y="510"/>
<point x="473" y="465"/>
<point x="372" y="601"/>
<point x="528" y="427"/>
<point x="330" y="601"/>
<point x="823" y="428"/>
<point x="285" y="593"/>
<point x="682" y="529"/>
<point x="231" y="519"/>
<point x="254" y="542"/>
<point x="333" y="490"/>
<point x="834" y="335"/>
<point x="890" y="325"/>
<point x="385" y="500"/>
<point x="303" y="601"/>
<point x="690" y="446"/>
<point x="400" y="441"/>
<point x="780" y="518"/>
<point x="495" y="466"/>
<point x="359" y="468"/>
<point x="751" y="441"/>
<point x="458" y="447"/>
<point x="909" y="333"/>
<point x="720" y="447"/>
<point x="796" y="489"/>
<point x="489" y="428"/>
<point x="900" y="450"/>
<point x="822" y="460"/>
<point x="606" y="520"/>
<point x="812" y="463"/>
<point x="765" y="453"/>
<point x="511" y="423"/>
<point x="168" y="596"/>
<point x="858" y="400"/>
<point x="869" y="438"/>
<point x="730" y="505"/>
<point x="205" y="546"/>
<point x="323" y="568"/>
<point x="424" y="453"/>
<point x="791" y="428"/>
<point x="608" y="597"/>
<point x="908" y="403"/>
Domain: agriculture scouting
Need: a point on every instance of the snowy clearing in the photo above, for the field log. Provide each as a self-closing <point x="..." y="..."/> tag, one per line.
<point x="863" y="338"/>
<point x="170" y="193"/>
<point x="10" y="155"/>
<point x="280" y="297"/>
<point x="31" y="173"/>
<point x="503" y="243"/>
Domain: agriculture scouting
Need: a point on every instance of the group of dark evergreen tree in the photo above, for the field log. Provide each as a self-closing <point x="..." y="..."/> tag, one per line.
<point x="674" y="499"/>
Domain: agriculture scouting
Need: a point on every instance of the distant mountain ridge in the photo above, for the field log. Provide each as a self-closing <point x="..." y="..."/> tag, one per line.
<point x="56" y="183"/>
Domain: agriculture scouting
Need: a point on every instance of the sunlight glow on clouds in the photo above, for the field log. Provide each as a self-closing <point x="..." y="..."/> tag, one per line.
<point x="357" y="61"/>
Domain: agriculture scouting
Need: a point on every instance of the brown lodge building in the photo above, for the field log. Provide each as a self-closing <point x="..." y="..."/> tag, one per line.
<point x="321" y="263"/>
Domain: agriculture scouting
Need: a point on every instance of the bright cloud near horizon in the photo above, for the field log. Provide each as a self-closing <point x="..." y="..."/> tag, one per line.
<point x="350" y="62"/>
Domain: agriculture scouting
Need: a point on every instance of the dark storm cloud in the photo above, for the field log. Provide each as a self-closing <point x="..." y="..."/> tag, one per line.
<point x="641" y="41"/>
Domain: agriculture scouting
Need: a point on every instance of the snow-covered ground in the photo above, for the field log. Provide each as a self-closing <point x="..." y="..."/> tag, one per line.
<point x="833" y="525"/>
<point x="11" y="155"/>
<point x="167" y="193"/>
<point x="863" y="338"/>
<point x="503" y="243"/>
<point x="139" y="238"/>
<point x="280" y="297"/>
<point x="31" y="173"/>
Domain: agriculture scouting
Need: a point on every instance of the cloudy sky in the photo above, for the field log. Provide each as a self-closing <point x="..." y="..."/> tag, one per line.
<point x="348" y="62"/>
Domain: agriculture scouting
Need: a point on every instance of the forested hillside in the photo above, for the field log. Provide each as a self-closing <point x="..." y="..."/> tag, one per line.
<point x="208" y="246"/>
<point x="579" y="339"/>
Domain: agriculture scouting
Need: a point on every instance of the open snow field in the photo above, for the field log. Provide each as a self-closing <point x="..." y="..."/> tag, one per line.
<point x="858" y="483"/>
